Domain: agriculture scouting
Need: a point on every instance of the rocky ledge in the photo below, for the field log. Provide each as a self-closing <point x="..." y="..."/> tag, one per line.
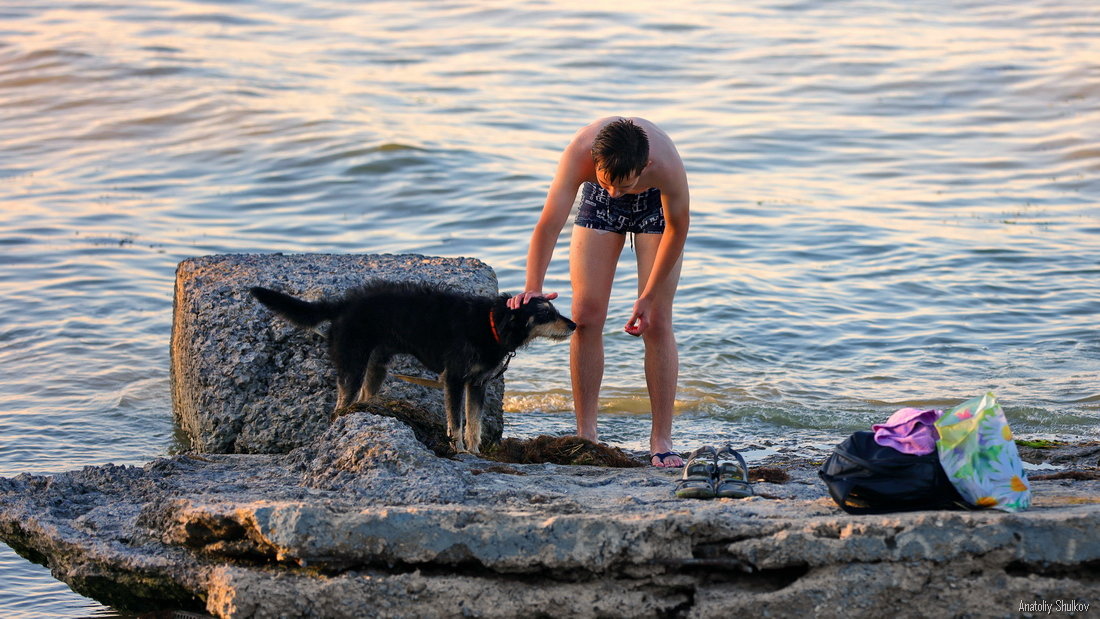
<point x="282" y="512"/>
<point x="367" y="521"/>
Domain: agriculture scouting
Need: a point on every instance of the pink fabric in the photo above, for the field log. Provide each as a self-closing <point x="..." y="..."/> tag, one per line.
<point x="910" y="430"/>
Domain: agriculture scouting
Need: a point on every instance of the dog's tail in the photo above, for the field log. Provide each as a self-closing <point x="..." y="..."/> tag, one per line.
<point x="302" y="313"/>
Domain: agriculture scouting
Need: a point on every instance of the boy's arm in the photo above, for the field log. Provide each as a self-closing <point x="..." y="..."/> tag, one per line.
<point x="555" y="212"/>
<point x="675" y="202"/>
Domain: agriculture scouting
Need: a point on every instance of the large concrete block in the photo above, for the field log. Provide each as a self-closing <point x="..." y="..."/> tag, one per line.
<point x="246" y="381"/>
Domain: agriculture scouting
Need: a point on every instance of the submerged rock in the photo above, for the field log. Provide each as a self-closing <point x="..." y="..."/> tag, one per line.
<point x="246" y="381"/>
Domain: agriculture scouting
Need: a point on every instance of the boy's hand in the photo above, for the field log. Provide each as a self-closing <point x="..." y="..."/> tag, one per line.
<point x="522" y="298"/>
<point x="639" y="320"/>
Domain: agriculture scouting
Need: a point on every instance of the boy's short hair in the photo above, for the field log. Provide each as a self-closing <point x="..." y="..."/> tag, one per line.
<point x="621" y="149"/>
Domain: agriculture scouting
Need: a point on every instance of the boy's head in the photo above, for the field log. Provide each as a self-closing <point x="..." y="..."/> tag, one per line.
<point x="621" y="150"/>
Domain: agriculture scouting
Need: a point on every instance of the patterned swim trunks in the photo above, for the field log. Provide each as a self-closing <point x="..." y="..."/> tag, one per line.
<point x="639" y="213"/>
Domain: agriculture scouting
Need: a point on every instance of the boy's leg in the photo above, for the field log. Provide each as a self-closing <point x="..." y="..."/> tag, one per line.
<point x="593" y="256"/>
<point x="662" y="360"/>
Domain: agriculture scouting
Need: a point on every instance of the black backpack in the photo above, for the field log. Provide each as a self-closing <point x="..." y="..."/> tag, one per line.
<point x="867" y="478"/>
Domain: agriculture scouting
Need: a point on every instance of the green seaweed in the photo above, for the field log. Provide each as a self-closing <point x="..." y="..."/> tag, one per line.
<point x="1040" y="443"/>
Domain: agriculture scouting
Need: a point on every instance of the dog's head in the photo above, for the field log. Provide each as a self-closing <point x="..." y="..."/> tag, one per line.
<point x="536" y="318"/>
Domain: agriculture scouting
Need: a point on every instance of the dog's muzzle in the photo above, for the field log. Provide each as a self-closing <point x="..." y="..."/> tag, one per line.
<point x="558" y="330"/>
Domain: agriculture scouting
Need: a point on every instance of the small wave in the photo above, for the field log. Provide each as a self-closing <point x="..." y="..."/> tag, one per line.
<point x="1085" y="400"/>
<point x="527" y="403"/>
<point x="393" y="146"/>
<point x="1083" y="153"/>
<point x="385" y="166"/>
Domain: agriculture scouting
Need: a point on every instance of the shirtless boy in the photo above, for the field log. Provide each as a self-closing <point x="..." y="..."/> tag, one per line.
<point x="634" y="182"/>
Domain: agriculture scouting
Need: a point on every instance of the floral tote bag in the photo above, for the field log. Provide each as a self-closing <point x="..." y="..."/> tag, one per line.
<point x="980" y="457"/>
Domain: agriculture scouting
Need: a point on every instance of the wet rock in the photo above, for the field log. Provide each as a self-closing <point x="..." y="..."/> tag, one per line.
<point x="1080" y="455"/>
<point x="246" y="381"/>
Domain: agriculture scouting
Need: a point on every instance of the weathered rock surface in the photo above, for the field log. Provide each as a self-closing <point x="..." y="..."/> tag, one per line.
<point x="246" y="381"/>
<point x="300" y="516"/>
<point x="365" y="520"/>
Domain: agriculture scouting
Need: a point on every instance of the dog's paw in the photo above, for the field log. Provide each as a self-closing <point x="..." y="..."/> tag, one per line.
<point x="459" y="445"/>
<point x="473" y="443"/>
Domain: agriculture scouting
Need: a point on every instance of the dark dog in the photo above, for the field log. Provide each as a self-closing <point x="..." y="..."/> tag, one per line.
<point x="466" y="339"/>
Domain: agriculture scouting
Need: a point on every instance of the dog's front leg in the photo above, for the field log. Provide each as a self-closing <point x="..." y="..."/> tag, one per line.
<point x="475" y="400"/>
<point x="453" y="388"/>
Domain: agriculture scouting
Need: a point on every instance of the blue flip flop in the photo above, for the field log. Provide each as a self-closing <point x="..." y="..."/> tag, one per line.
<point x="661" y="457"/>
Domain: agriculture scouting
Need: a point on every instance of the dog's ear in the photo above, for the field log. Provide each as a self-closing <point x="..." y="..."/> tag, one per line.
<point x="505" y="316"/>
<point x="509" y="323"/>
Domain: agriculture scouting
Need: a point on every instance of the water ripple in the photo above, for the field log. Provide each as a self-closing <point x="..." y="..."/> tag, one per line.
<point x="892" y="204"/>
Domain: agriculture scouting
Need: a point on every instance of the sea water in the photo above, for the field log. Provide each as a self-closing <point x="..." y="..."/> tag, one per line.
<point x="892" y="204"/>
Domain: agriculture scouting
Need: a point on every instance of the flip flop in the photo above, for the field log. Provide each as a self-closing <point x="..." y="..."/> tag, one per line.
<point x="661" y="457"/>
<point x="732" y="475"/>
<point x="697" y="480"/>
